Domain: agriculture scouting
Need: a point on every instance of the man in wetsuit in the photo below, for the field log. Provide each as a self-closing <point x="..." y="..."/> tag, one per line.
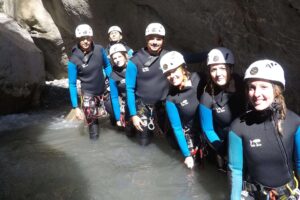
<point x="86" y="64"/>
<point x="115" y="36"/>
<point x="146" y="85"/>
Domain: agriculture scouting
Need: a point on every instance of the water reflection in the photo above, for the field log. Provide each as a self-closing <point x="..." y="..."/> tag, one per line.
<point x="51" y="158"/>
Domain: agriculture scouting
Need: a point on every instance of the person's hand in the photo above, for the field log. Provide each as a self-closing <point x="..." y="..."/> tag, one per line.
<point x="189" y="162"/>
<point x="79" y="114"/>
<point x="119" y="123"/>
<point x="138" y="123"/>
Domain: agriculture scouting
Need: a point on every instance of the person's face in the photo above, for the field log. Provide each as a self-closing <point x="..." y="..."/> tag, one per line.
<point x="85" y="43"/>
<point x="119" y="59"/>
<point x="115" y="36"/>
<point x="175" y="76"/>
<point x="261" y="94"/>
<point x="154" y="43"/>
<point x="220" y="74"/>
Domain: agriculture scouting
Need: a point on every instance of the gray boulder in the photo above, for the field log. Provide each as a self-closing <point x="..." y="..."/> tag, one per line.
<point x="21" y="68"/>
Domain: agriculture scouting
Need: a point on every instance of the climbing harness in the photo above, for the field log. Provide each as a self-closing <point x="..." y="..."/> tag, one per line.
<point x="295" y="193"/>
<point x="192" y="148"/>
<point x="284" y="192"/>
<point x="146" y="113"/>
<point x="93" y="108"/>
<point x="122" y="110"/>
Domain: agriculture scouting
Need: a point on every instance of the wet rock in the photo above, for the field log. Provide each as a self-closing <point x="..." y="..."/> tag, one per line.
<point x="33" y="17"/>
<point x="251" y="29"/>
<point x="22" y="68"/>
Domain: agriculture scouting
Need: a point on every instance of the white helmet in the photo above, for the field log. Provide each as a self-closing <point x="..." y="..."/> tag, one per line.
<point x="117" y="48"/>
<point x="114" y="28"/>
<point x="267" y="70"/>
<point x="83" y="30"/>
<point x="155" y="29"/>
<point x="171" y="60"/>
<point x="220" y="55"/>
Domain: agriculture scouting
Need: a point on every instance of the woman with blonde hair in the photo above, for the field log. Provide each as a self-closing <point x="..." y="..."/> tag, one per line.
<point x="182" y="104"/>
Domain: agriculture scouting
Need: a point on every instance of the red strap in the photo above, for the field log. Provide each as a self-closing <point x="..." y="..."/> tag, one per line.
<point x="272" y="195"/>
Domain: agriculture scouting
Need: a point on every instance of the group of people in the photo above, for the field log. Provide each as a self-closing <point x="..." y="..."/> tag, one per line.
<point x="255" y="137"/>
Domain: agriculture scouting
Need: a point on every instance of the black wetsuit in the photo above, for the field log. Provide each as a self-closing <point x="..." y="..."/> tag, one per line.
<point x="259" y="154"/>
<point x="147" y="88"/>
<point x="88" y="68"/>
<point x="182" y="109"/>
<point x="219" y="110"/>
<point x="118" y="91"/>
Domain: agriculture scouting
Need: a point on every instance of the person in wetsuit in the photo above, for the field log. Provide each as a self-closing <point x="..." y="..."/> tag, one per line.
<point x="146" y="85"/>
<point x="221" y="102"/>
<point x="264" y="143"/>
<point x="115" y="36"/>
<point x="119" y="60"/>
<point x="182" y="104"/>
<point x="86" y="64"/>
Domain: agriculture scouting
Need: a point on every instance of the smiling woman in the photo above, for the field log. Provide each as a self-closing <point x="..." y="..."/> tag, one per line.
<point x="221" y="102"/>
<point x="264" y="143"/>
<point x="182" y="105"/>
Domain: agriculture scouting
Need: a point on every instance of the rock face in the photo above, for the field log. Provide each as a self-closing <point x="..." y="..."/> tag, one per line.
<point x="33" y="17"/>
<point x="22" y="67"/>
<point x="251" y="29"/>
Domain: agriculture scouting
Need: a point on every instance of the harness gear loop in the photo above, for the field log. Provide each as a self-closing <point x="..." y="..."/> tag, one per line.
<point x="294" y="192"/>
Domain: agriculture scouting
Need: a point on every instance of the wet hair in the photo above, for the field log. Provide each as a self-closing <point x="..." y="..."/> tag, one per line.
<point x="279" y="107"/>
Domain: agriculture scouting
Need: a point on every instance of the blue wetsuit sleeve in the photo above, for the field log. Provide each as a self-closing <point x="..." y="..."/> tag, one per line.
<point x="235" y="165"/>
<point x="206" y="121"/>
<point x="130" y="79"/>
<point x="130" y="53"/>
<point x="175" y="121"/>
<point x="107" y="65"/>
<point x="114" y="95"/>
<point x="297" y="151"/>
<point x="72" y="76"/>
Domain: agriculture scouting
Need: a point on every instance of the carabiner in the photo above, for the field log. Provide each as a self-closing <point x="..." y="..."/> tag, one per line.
<point x="151" y="126"/>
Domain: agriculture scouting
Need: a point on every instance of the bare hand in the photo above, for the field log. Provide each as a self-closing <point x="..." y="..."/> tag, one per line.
<point x="119" y="123"/>
<point x="189" y="162"/>
<point x="79" y="114"/>
<point x="138" y="123"/>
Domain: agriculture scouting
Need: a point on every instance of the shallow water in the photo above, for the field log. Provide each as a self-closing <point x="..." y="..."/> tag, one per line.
<point x="42" y="156"/>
